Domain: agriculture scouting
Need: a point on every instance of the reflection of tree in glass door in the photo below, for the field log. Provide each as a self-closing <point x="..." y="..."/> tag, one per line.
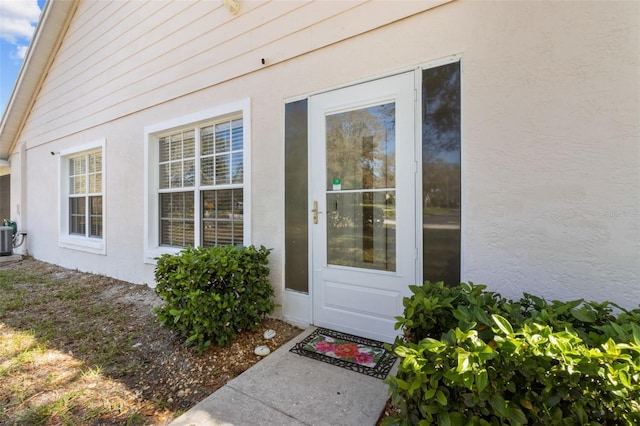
<point x="361" y="156"/>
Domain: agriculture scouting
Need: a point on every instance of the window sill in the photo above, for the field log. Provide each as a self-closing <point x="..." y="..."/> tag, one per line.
<point x="151" y="255"/>
<point x="89" y="245"/>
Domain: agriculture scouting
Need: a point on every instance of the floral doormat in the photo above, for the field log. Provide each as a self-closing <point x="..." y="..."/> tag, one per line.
<point x="344" y="350"/>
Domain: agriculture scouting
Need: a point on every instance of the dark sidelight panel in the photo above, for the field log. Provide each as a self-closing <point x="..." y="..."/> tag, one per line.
<point x="5" y="197"/>
<point x="296" y="197"/>
<point x="441" y="189"/>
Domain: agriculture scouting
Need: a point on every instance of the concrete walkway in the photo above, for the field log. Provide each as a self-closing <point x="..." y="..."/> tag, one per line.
<point x="288" y="389"/>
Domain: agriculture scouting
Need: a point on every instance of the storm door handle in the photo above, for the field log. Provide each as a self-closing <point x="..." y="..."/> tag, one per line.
<point x="315" y="212"/>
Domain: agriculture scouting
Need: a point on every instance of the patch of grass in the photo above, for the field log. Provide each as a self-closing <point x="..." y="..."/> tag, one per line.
<point x="18" y="348"/>
<point x="92" y="373"/>
<point x="14" y="341"/>
<point x="45" y="329"/>
<point x="30" y="354"/>
<point x="5" y="283"/>
<point x="69" y="294"/>
<point x="16" y="276"/>
<point x="12" y="298"/>
<point x="108" y="354"/>
<point x="19" y="393"/>
<point x="59" y="411"/>
<point x="40" y="385"/>
<point x="136" y="419"/>
<point x="67" y="354"/>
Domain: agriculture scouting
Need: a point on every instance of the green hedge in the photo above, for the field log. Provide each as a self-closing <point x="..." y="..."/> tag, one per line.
<point x="474" y="358"/>
<point x="211" y="294"/>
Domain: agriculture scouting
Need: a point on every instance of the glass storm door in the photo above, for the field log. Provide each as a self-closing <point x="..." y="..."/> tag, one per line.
<point x="363" y="222"/>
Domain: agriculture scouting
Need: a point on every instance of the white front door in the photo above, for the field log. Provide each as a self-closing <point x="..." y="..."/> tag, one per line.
<point x="363" y="192"/>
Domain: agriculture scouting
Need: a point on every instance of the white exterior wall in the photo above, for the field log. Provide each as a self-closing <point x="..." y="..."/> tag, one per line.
<point x="551" y="136"/>
<point x="551" y="158"/>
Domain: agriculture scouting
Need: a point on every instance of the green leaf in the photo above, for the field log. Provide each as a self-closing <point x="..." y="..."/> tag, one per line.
<point x="583" y="315"/>
<point x="457" y="419"/>
<point x="503" y="324"/>
<point x="516" y="415"/>
<point x="402" y="384"/>
<point x="415" y="385"/>
<point x="432" y="408"/>
<point x="636" y="333"/>
<point x="624" y="378"/>
<point x="467" y="380"/>
<point x="462" y="314"/>
<point x="441" y="398"/>
<point x="482" y="380"/>
<point x="553" y="400"/>
<point x="464" y="364"/>
<point x="498" y="404"/>
<point x="526" y="404"/>
<point x="430" y="393"/>
<point x="444" y="419"/>
<point x="582" y="416"/>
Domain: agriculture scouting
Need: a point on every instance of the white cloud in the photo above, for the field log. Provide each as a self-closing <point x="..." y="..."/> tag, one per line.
<point x="20" y="53"/>
<point x="18" y="19"/>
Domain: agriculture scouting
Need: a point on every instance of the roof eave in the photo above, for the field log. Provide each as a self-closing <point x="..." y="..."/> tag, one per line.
<point x="51" y="27"/>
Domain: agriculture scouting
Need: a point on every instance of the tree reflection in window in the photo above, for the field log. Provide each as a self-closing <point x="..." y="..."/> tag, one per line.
<point x="441" y="190"/>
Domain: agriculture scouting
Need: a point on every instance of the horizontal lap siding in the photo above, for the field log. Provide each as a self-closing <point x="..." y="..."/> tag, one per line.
<point x="103" y="53"/>
<point x="120" y="57"/>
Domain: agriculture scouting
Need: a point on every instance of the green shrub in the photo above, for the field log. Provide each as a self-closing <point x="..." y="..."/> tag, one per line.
<point x="211" y="294"/>
<point x="541" y="363"/>
<point x="435" y="308"/>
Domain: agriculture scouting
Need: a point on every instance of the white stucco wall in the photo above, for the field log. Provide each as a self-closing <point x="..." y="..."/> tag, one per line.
<point x="18" y="194"/>
<point x="551" y="151"/>
<point x="551" y="145"/>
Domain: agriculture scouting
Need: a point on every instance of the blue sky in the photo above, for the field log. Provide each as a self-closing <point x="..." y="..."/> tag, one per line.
<point x="18" y="20"/>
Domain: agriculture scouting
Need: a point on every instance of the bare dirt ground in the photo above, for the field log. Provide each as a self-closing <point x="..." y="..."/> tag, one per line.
<point x="78" y="348"/>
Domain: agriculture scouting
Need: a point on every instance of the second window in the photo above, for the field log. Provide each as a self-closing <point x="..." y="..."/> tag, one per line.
<point x="201" y="177"/>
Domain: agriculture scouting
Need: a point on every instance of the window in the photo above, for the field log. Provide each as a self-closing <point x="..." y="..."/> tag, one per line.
<point x="441" y="173"/>
<point x="82" y="198"/>
<point x="85" y="195"/>
<point x="177" y="174"/>
<point x="296" y="196"/>
<point x="198" y="167"/>
<point x="219" y="191"/>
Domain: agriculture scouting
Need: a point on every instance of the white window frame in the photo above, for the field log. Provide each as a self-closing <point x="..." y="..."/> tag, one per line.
<point x="77" y="242"/>
<point x="152" y="133"/>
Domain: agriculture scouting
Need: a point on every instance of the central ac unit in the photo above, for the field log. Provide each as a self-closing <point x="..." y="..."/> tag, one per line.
<point x="6" y="240"/>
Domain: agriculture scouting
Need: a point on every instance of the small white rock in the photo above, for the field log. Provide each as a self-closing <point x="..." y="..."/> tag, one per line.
<point x="269" y="334"/>
<point x="262" y="351"/>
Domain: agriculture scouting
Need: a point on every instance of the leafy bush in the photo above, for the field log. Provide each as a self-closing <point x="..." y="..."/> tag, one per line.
<point x="540" y="363"/>
<point x="435" y="308"/>
<point x="211" y="294"/>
